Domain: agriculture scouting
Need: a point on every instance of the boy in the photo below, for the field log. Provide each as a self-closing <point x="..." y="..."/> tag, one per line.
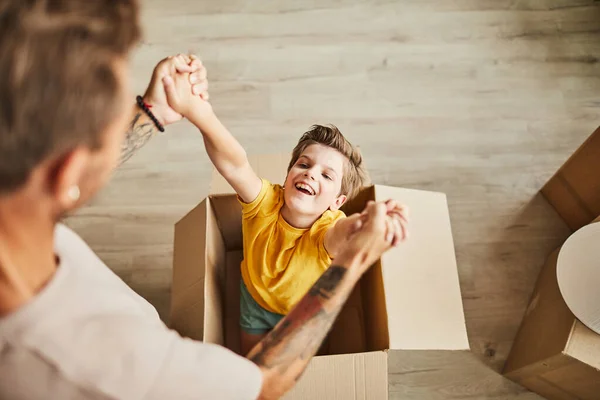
<point x="285" y="229"/>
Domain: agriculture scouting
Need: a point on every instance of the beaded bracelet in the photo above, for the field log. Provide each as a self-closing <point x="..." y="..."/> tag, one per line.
<point x="146" y="107"/>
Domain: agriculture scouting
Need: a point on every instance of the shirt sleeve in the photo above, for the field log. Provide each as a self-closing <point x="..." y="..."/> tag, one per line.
<point x="267" y="201"/>
<point x="202" y="371"/>
<point x="320" y="228"/>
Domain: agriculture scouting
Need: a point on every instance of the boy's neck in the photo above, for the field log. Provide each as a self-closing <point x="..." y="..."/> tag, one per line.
<point x="299" y="221"/>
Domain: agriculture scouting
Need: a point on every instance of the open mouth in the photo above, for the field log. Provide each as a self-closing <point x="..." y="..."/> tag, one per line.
<point x="304" y="188"/>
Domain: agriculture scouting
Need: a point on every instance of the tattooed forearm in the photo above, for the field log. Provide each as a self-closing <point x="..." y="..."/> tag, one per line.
<point x="325" y="287"/>
<point x="288" y="348"/>
<point x="140" y="131"/>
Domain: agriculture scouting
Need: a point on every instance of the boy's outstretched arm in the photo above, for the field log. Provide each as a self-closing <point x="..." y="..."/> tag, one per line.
<point x="225" y="152"/>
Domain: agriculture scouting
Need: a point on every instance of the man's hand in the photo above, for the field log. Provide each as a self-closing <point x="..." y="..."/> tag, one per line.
<point x="155" y="95"/>
<point x="181" y="96"/>
<point x="337" y="237"/>
<point x="379" y="227"/>
<point x="397" y="215"/>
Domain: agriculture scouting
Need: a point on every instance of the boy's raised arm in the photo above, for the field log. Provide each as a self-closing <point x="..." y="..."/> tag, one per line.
<point x="228" y="156"/>
<point x="225" y="152"/>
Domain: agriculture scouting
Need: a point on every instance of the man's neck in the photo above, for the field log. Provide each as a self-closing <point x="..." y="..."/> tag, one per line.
<point x="27" y="260"/>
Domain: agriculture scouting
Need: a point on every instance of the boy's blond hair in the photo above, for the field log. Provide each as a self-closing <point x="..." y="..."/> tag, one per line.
<point x="354" y="175"/>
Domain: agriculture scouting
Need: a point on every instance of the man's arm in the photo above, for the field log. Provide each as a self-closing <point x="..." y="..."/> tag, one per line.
<point x="286" y="351"/>
<point x="141" y="129"/>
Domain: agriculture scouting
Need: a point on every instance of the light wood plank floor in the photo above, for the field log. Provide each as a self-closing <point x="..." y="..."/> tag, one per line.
<point x="480" y="99"/>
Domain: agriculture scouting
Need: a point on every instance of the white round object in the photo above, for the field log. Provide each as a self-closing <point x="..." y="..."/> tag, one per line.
<point x="578" y="273"/>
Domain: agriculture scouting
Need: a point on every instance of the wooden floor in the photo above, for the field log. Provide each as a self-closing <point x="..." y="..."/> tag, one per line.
<point x="480" y="99"/>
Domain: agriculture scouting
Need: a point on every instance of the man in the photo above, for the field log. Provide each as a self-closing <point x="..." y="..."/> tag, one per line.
<point x="69" y="327"/>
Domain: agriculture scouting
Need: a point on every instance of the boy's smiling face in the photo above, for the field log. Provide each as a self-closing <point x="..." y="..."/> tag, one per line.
<point x="313" y="184"/>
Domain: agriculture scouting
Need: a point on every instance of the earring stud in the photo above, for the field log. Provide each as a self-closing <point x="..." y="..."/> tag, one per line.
<point x="74" y="193"/>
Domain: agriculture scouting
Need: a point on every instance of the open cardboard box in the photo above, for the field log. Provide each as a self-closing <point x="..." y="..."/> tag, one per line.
<point x="554" y="354"/>
<point x="408" y="300"/>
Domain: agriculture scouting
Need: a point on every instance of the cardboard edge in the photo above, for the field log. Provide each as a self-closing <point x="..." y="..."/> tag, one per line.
<point x="432" y="192"/>
<point x="357" y="376"/>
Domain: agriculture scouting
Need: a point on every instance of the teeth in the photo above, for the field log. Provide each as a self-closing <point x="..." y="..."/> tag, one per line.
<point x="305" y="187"/>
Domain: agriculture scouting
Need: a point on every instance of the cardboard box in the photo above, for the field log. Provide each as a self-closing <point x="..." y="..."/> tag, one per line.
<point x="574" y="191"/>
<point x="409" y="300"/>
<point x="554" y="354"/>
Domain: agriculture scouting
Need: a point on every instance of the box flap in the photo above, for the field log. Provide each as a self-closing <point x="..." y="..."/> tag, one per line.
<point x="574" y="191"/>
<point x="187" y="289"/>
<point x="584" y="345"/>
<point x="534" y="342"/>
<point x="196" y="292"/>
<point x="344" y="377"/>
<point x="272" y="167"/>
<point x="420" y="277"/>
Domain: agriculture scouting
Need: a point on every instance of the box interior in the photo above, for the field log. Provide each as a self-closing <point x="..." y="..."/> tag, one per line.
<point x="361" y="325"/>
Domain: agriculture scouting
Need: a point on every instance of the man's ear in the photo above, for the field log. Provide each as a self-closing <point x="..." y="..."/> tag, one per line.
<point x="339" y="202"/>
<point x="66" y="175"/>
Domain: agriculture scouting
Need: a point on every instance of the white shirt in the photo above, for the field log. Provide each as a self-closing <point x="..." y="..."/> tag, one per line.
<point x="87" y="335"/>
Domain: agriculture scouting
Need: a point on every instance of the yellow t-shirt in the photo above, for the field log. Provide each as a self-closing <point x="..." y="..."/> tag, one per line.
<point x="281" y="263"/>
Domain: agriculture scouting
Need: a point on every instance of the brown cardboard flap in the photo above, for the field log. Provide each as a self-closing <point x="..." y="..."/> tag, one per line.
<point x="574" y="190"/>
<point x="344" y="377"/>
<point x="228" y="213"/>
<point x="214" y="285"/>
<point x="198" y="276"/>
<point x="535" y="341"/>
<point x="233" y="276"/>
<point x="187" y="298"/>
<point x="576" y="378"/>
<point x="348" y="332"/>
<point x="547" y="389"/>
<point x="272" y="167"/>
<point x="584" y="345"/>
<point x="374" y="314"/>
<point x="420" y="277"/>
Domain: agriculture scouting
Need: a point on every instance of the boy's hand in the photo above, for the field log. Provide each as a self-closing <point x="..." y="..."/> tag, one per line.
<point x="155" y="94"/>
<point x="182" y="97"/>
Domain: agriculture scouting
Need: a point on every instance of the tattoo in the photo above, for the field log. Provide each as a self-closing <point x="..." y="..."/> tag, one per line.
<point x="333" y="277"/>
<point x="137" y="136"/>
<point x="297" y="338"/>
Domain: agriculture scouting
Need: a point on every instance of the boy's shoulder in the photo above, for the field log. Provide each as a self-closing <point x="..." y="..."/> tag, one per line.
<point x="271" y="197"/>
<point x="328" y="218"/>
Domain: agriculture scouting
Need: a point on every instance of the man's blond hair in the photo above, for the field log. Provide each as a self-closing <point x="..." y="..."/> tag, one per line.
<point x="58" y="81"/>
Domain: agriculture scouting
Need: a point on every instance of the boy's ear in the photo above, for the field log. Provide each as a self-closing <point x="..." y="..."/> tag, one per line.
<point x="339" y="202"/>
